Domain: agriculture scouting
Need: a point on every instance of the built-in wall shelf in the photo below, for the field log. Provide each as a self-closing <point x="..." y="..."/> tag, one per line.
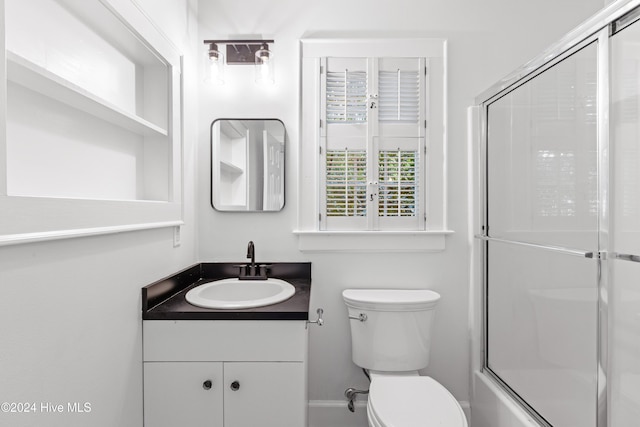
<point x="230" y="168"/>
<point x="90" y="126"/>
<point x="34" y="77"/>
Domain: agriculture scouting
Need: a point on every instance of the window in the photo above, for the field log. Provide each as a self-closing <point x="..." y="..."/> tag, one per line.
<point x="372" y="143"/>
<point x="373" y="137"/>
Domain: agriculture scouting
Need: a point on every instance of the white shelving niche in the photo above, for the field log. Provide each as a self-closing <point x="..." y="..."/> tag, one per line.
<point x="230" y="163"/>
<point x="90" y="121"/>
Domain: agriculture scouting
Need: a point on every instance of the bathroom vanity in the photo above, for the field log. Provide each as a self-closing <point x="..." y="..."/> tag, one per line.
<point x="231" y="368"/>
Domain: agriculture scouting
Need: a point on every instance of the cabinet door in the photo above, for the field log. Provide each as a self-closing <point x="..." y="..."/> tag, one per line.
<point x="266" y="394"/>
<point x="179" y="394"/>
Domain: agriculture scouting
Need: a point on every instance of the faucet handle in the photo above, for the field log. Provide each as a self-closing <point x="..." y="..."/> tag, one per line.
<point x="242" y="269"/>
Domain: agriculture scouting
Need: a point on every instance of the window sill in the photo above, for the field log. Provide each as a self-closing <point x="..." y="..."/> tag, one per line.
<point x="372" y="241"/>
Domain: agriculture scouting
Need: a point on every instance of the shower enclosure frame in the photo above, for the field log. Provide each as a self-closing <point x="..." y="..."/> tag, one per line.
<point x="597" y="29"/>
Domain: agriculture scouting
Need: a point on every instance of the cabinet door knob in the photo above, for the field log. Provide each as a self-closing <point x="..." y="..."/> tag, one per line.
<point x="235" y="386"/>
<point x="207" y="385"/>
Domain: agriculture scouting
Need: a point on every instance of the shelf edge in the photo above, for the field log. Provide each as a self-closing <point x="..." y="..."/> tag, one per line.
<point x="34" y="77"/>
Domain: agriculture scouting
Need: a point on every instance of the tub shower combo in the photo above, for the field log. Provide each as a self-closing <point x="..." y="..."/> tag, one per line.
<point x="558" y="228"/>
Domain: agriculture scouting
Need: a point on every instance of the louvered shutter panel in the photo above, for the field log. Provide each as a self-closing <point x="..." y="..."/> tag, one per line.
<point x="345" y="90"/>
<point x="400" y="143"/>
<point x="398" y="181"/>
<point x="401" y="85"/>
<point x="344" y="166"/>
<point x="346" y="96"/>
<point x="346" y="183"/>
<point x="400" y="178"/>
<point x="399" y="96"/>
<point x="345" y="142"/>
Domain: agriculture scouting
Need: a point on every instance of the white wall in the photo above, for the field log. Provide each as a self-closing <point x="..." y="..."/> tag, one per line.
<point x="486" y="40"/>
<point x="70" y="325"/>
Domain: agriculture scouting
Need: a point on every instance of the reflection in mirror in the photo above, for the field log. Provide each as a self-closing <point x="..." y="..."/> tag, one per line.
<point x="247" y="165"/>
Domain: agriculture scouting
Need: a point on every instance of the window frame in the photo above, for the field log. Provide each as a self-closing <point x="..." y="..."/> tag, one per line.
<point x="431" y="237"/>
<point x="359" y="128"/>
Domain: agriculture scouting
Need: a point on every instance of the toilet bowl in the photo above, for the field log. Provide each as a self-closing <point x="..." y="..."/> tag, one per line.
<point x="412" y="401"/>
<point x="391" y="339"/>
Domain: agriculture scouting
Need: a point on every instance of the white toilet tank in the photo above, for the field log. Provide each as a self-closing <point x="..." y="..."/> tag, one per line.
<point x="390" y="328"/>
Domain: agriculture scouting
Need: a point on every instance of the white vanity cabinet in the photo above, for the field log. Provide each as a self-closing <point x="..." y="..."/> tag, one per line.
<point x="183" y="394"/>
<point x="231" y="373"/>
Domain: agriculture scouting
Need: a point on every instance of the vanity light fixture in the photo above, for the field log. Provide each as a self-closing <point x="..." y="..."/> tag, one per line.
<point x="264" y="65"/>
<point x="240" y="52"/>
<point x="214" y="72"/>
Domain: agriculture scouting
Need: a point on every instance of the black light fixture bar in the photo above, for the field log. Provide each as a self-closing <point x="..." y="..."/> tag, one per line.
<point x="238" y="41"/>
<point x="241" y="51"/>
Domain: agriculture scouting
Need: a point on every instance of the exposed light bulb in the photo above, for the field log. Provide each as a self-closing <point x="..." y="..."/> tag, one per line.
<point x="264" y="65"/>
<point x="214" y="66"/>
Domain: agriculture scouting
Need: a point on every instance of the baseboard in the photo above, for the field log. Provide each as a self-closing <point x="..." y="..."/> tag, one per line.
<point x="334" y="413"/>
<point x="466" y="408"/>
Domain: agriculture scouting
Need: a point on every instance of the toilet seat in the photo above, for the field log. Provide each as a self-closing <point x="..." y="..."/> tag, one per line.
<point x="412" y="402"/>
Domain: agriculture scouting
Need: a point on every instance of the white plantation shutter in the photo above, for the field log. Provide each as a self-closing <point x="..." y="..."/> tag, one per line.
<point x="398" y="183"/>
<point x="346" y="96"/>
<point x="346" y="183"/>
<point x="399" y="96"/>
<point x="401" y="88"/>
<point x="344" y="140"/>
<point x="372" y="158"/>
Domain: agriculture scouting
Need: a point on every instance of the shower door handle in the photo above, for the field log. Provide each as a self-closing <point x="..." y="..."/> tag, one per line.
<point x="626" y="257"/>
<point x="557" y="249"/>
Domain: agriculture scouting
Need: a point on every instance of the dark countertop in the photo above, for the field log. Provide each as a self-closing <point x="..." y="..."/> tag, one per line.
<point x="165" y="299"/>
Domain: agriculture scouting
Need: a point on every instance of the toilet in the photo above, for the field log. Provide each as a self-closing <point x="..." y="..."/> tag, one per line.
<point x="391" y="338"/>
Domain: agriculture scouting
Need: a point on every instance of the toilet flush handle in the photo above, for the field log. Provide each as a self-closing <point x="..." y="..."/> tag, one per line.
<point x="362" y="317"/>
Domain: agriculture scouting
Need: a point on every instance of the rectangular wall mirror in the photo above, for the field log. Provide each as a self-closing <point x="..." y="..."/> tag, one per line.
<point x="247" y="165"/>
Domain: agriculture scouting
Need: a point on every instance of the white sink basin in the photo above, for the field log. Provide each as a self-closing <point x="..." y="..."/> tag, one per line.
<point x="235" y="293"/>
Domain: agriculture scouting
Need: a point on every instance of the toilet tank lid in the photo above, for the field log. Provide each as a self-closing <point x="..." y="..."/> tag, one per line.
<point x="391" y="299"/>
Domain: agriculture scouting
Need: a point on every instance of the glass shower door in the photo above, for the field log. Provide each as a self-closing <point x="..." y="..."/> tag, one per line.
<point x="624" y="295"/>
<point x="542" y="217"/>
